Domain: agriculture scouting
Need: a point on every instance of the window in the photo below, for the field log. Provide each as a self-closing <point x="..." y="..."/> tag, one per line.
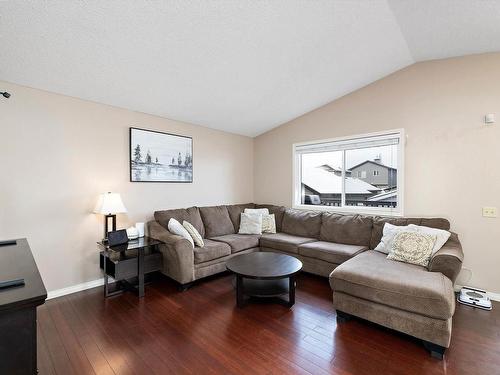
<point x="361" y="174"/>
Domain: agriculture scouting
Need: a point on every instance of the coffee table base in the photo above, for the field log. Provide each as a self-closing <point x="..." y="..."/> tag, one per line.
<point x="271" y="290"/>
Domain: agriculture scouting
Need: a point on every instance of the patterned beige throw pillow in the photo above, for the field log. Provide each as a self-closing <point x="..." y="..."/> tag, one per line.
<point x="268" y="224"/>
<point x="197" y="238"/>
<point x="412" y="247"/>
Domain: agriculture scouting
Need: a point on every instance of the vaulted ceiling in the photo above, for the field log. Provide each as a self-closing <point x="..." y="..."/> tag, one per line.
<point x="242" y="66"/>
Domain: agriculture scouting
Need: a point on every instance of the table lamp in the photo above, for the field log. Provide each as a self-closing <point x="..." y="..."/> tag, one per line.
<point x="109" y="204"/>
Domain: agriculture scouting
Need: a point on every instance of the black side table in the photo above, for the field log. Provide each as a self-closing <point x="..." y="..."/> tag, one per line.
<point x="128" y="263"/>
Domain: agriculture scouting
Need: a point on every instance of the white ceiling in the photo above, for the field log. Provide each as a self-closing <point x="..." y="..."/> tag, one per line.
<point x="437" y="29"/>
<point x="242" y="66"/>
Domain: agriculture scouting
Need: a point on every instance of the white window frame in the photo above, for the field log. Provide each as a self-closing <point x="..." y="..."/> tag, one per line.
<point x="382" y="211"/>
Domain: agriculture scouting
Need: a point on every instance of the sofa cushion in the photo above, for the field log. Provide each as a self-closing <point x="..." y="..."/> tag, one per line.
<point x="239" y="242"/>
<point x="278" y="212"/>
<point x="216" y="220"/>
<point x="283" y="241"/>
<point x="235" y="211"/>
<point x="330" y="251"/>
<point x="435" y="222"/>
<point x="373" y="277"/>
<point x="191" y="215"/>
<point x="212" y="250"/>
<point x="346" y="229"/>
<point x="301" y="223"/>
<point x="379" y="222"/>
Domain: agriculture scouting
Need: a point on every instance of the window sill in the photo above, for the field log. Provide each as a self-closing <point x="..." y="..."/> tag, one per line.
<point x="374" y="211"/>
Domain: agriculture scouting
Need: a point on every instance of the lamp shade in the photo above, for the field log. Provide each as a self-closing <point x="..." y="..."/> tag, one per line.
<point x="109" y="204"/>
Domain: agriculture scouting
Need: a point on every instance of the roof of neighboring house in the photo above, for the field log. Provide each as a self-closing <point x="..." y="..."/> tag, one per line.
<point x="325" y="182"/>
<point x="382" y="196"/>
<point x="331" y="168"/>
<point x="373" y="162"/>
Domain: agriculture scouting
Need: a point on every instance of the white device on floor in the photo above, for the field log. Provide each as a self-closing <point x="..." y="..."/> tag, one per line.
<point x="474" y="297"/>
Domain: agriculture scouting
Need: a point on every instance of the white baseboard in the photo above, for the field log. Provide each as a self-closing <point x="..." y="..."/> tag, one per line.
<point x="493" y="296"/>
<point x="75" y="288"/>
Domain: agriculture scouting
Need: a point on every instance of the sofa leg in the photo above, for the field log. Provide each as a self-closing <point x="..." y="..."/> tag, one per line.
<point x="184" y="287"/>
<point x="343" y="317"/>
<point x="437" y="351"/>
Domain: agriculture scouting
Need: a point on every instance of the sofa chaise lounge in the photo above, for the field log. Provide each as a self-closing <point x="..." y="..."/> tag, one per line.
<point x="412" y="299"/>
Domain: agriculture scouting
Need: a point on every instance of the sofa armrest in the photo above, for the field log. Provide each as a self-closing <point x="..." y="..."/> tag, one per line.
<point x="178" y="255"/>
<point x="448" y="260"/>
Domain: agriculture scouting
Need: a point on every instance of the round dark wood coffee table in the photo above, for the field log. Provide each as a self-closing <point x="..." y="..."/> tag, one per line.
<point x="265" y="275"/>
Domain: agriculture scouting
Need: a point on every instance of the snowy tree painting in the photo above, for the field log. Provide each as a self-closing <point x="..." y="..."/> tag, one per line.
<point x="160" y="157"/>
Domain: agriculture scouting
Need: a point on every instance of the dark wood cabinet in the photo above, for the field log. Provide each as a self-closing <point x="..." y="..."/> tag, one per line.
<point x="18" y="309"/>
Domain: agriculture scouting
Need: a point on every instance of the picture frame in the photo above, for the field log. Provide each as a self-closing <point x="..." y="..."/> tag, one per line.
<point x="156" y="156"/>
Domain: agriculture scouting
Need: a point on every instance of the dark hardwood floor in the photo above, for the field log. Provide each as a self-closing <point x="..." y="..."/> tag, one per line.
<point x="200" y="331"/>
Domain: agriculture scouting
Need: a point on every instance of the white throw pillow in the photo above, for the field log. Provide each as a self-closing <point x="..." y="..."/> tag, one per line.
<point x="268" y="221"/>
<point x="388" y="234"/>
<point x="259" y="211"/>
<point x="250" y="224"/>
<point x="195" y="235"/>
<point x="176" y="228"/>
<point x="441" y="235"/>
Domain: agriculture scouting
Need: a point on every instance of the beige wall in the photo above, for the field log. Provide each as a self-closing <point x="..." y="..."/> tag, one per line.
<point x="451" y="167"/>
<point x="58" y="153"/>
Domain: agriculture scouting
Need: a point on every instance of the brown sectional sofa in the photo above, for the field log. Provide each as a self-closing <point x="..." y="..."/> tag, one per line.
<point x="411" y="299"/>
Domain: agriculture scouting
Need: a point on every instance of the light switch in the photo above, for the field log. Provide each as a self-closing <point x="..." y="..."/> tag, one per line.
<point x="490" y="212"/>
<point x="489" y="119"/>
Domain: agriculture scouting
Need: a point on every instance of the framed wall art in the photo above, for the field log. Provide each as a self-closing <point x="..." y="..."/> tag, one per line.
<point x="160" y="157"/>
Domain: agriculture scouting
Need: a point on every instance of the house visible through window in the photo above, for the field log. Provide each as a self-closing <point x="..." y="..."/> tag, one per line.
<point x="359" y="173"/>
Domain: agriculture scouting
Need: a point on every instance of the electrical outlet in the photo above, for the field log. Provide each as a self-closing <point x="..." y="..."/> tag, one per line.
<point x="490" y="212"/>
